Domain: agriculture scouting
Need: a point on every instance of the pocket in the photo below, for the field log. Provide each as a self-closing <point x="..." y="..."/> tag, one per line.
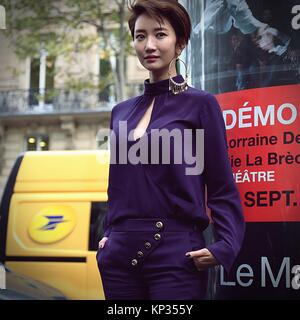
<point x="101" y="251"/>
<point x="112" y="254"/>
<point x="197" y="240"/>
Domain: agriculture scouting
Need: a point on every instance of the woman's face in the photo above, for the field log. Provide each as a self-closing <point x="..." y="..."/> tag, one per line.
<point x="158" y="41"/>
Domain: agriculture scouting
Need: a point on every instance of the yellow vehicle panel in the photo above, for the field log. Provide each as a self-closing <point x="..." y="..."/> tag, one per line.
<point x="55" y="219"/>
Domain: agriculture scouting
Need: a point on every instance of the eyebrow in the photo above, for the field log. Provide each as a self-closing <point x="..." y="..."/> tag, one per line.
<point x="156" y="29"/>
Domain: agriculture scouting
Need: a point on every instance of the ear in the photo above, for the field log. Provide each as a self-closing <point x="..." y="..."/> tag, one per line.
<point x="179" y="48"/>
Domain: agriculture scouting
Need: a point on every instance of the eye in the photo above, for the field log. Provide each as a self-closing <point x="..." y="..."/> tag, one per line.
<point x="160" y="34"/>
<point x="139" y="37"/>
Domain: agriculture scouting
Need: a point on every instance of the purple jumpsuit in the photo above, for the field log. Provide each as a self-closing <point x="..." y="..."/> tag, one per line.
<point x="156" y="212"/>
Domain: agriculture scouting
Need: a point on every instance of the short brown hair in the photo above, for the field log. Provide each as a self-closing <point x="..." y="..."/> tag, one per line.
<point x="172" y="10"/>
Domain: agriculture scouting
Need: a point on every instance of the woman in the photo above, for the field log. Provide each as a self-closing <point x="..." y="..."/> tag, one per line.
<point x="153" y="247"/>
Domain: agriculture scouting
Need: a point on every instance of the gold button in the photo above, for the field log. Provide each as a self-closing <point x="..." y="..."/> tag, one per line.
<point x="134" y="262"/>
<point x="140" y="254"/>
<point x="157" y="236"/>
<point x="159" y="224"/>
<point x="147" y="245"/>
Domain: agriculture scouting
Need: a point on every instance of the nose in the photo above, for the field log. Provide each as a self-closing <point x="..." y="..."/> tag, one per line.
<point x="150" y="44"/>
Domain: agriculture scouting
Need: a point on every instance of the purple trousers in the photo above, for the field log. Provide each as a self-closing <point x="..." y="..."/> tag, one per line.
<point x="144" y="259"/>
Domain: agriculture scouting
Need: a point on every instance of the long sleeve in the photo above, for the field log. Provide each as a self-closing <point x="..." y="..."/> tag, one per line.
<point x="220" y="15"/>
<point x="243" y="17"/>
<point x="222" y="195"/>
<point x="217" y="17"/>
<point x="106" y="226"/>
<point x="166" y="190"/>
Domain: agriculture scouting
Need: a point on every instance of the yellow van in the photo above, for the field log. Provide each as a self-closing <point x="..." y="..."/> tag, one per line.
<point x="52" y="210"/>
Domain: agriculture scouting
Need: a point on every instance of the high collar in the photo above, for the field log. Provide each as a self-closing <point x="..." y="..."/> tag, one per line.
<point x="159" y="87"/>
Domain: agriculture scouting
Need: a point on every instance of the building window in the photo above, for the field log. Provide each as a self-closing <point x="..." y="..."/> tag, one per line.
<point x="37" y="143"/>
<point x="42" y="71"/>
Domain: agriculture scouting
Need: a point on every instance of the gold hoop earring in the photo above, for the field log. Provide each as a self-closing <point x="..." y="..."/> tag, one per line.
<point x="174" y="86"/>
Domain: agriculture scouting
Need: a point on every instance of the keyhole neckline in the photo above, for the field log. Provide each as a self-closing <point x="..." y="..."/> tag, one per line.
<point x="146" y="131"/>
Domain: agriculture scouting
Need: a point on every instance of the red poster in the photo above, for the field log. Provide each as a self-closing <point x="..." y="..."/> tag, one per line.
<point x="263" y="132"/>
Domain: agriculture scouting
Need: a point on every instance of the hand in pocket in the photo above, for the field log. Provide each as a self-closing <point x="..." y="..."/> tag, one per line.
<point x="102" y="242"/>
<point x="203" y="259"/>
